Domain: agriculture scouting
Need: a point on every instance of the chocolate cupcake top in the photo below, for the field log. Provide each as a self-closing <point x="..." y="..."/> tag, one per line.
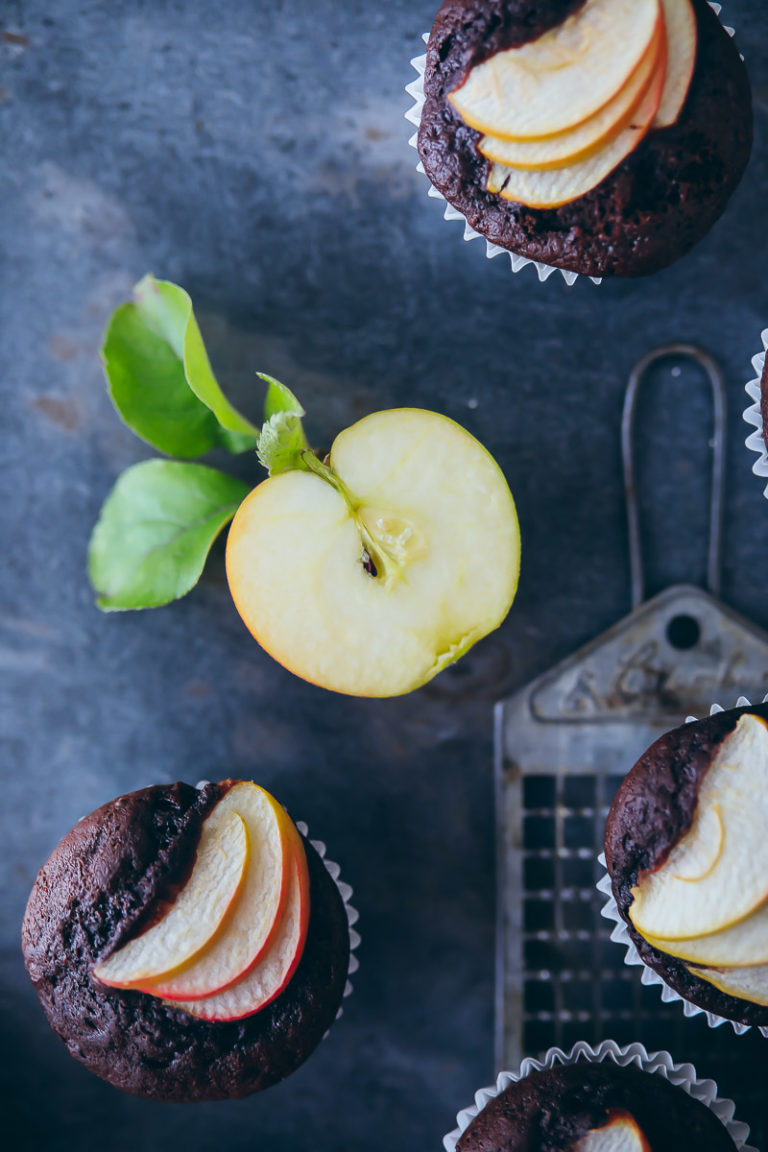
<point x="109" y="883"/>
<point x="686" y="853"/>
<point x="659" y="199"/>
<point x="585" y="1107"/>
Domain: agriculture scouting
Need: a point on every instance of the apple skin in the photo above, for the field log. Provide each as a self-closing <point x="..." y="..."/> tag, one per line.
<point x="196" y="915"/>
<point x="242" y="939"/>
<point x="271" y="975"/>
<point x="682" y="38"/>
<point x="429" y="495"/>
<point x="621" y="1133"/>
<point x="742" y="945"/>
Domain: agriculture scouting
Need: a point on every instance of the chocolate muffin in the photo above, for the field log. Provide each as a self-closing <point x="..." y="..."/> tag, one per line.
<point x="651" y="209"/>
<point x="556" y="1109"/>
<point x="661" y="812"/>
<point x="110" y="881"/>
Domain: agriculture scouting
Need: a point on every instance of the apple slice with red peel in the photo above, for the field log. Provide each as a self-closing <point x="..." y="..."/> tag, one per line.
<point x="744" y="983"/>
<point x="666" y="906"/>
<point x="197" y="911"/>
<point x="561" y="78"/>
<point x="743" y="945"/>
<point x="588" y="137"/>
<point x="621" y="1133"/>
<point x="556" y="186"/>
<point x="682" y="40"/>
<point x="372" y="571"/>
<point x="247" y="933"/>
<point x="267" y="979"/>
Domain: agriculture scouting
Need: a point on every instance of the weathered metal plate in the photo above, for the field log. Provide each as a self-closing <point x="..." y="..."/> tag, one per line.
<point x="563" y="744"/>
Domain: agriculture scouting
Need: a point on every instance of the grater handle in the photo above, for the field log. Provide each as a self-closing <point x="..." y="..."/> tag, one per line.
<point x="717" y="382"/>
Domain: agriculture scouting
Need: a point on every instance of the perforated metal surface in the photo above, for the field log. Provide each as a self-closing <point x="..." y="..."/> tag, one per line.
<point x="563" y="745"/>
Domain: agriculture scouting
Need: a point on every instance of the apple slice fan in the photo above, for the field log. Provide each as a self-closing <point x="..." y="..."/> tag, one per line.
<point x="563" y="744"/>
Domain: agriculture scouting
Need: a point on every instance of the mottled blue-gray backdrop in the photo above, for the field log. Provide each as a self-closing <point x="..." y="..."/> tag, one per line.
<point x="257" y="153"/>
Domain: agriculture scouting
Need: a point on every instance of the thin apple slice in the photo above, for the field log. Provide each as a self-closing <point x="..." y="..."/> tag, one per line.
<point x="564" y="76"/>
<point x="708" y="848"/>
<point x="273" y="972"/>
<point x="248" y="932"/>
<point x="742" y="946"/>
<point x="197" y="912"/>
<point x="621" y="1133"/>
<point x="744" y="983"/>
<point x="682" y="39"/>
<point x="374" y="589"/>
<point x="670" y="908"/>
<point x="550" y="189"/>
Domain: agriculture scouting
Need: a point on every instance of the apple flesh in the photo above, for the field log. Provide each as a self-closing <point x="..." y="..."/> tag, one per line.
<point x="620" y="1134"/>
<point x="552" y="187"/>
<point x="588" y="137"/>
<point x="682" y="41"/>
<point x="563" y="77"/>
<point x="374" y="582"/>
<point x="668" y="906"/>
<point x="197" y="912"/>
<point x="271" y="975"/>
<point x="743" y="945"/>
<point x="248" y="932"/>
<point x="749" y="983"/>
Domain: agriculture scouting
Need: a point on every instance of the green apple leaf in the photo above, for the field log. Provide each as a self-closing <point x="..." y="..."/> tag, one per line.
<point x="160" y="378"/>
<point x="155" y="531"/>
<point x="282" y="444"/>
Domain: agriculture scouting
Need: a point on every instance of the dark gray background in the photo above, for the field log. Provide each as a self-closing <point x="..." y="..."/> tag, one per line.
<point x="257" y="154"/>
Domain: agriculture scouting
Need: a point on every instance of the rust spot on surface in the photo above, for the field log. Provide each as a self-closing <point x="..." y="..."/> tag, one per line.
<point x="60" y="412"/>
<point x="62" y="349"/>
<point x="15" y="38"/>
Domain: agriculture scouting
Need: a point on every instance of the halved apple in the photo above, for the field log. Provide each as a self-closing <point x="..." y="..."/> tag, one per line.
<point x="621" y="1133"/>
<point x="588" y="137"/>
<point x="556" y="186"/>
<point x="563" y="77"/>
<point x="371" y="572"/>
<point x="197" y="911"/>
<point x="743" y="945"/>
<point x="682" y="40"/>
<point x="248" y="932"/>
<point x="267" y="979"/>
<point x="670" y="908"/>
<point x="744" y="983"/>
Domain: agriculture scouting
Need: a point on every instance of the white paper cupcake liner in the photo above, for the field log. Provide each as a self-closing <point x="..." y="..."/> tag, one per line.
<point x="345" y="891"/>
<point x="659" y="1063"/>
<point x="416" y="91"/>
<point x="756" y="440"/>
<point x="620" y="933"/>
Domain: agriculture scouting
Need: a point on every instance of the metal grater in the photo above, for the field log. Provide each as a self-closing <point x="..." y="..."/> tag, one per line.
<point x="563" y="745"/>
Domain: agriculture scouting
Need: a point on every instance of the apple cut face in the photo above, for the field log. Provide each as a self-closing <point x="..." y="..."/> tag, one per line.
<point x="743" y="945"/>
<point x="563" y="77"/>
<point x="267" y="979"/>
<point x="744" y="983"/>
<point x="248" y="932"/>
<point x="552" y="187"/>
<point x="667" y="903"/>
<point x="620" y="1134"/>
<point x="682" y="41"/>
<point x="373" y="591"/>
<point x="588" y="137"/>
<point x="197" y="912"/>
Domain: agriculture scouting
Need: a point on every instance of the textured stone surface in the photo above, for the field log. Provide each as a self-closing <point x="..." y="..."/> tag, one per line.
<point x="257" y="154"/>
